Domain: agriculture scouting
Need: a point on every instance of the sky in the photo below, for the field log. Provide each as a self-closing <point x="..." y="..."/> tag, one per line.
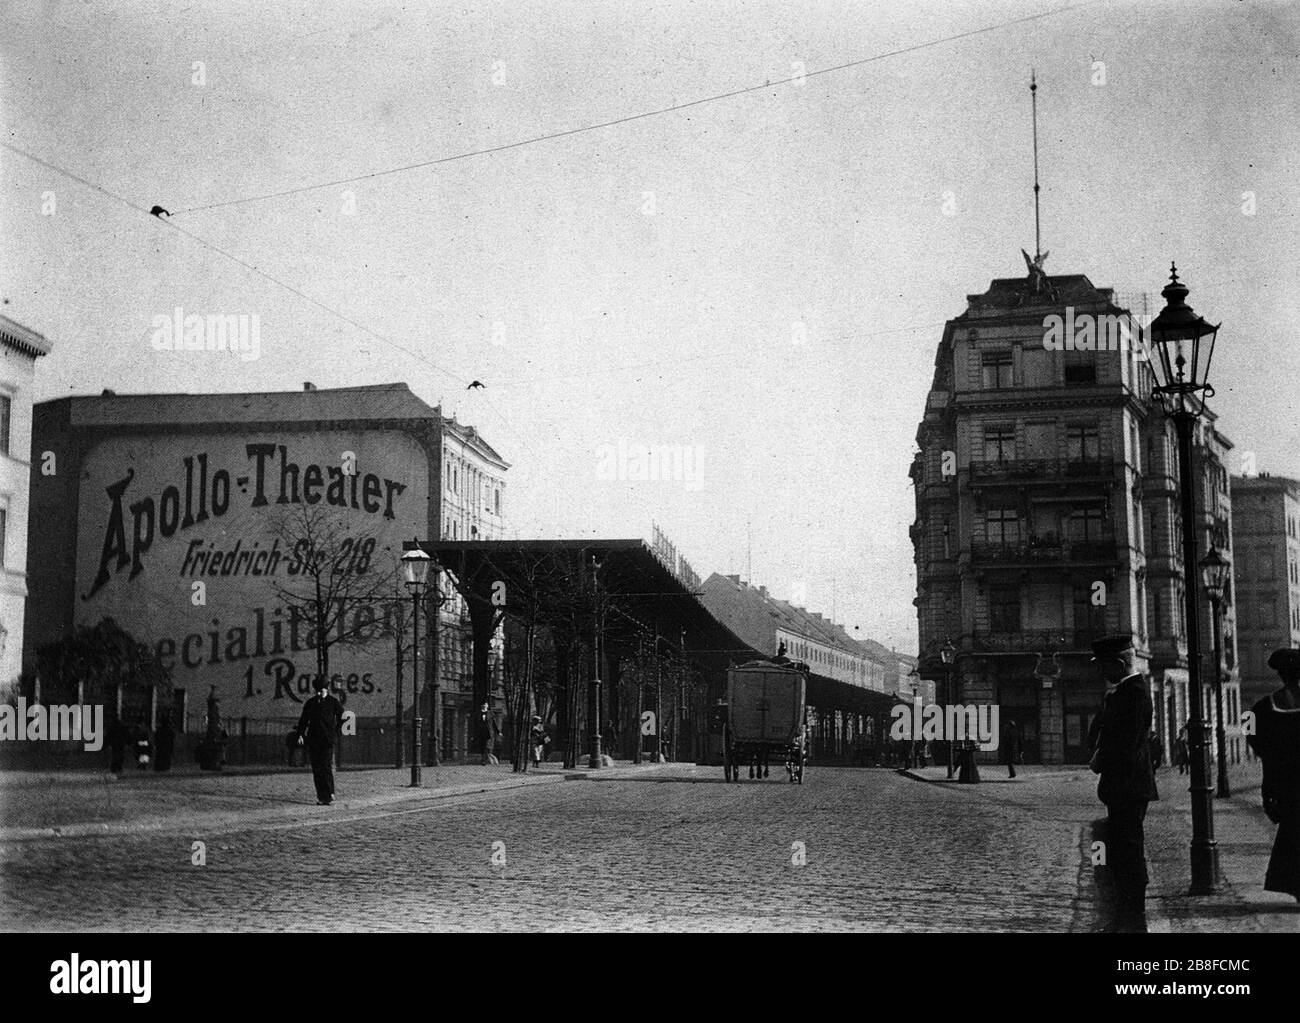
<point x="755" y="283"/>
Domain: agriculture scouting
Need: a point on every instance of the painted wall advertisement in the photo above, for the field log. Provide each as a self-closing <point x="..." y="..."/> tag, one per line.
<point x="196" y="544"/>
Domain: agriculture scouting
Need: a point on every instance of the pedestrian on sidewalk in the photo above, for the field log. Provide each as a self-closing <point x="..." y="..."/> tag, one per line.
<point x="1011" y="746"/>
<point x="539" y="740"/>
<point x="1128" y="783"/>
<point x="117" y="736"/>
<point x="321" y="722"/>
<point x="1277" y="743"/>
<point x="1180" y="751"/>
<point x="141" y="743"/>
<point x="487" y="731"/>
<point x="164" y="744"/>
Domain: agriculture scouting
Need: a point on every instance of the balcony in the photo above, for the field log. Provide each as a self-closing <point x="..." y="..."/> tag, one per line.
<point x="1036" y="641"/>
<point x="1046" y="550"/>
<point x="1021" y="470"/>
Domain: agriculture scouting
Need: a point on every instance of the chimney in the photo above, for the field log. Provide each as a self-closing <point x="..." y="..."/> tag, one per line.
<point x="307" y="385"/>
<point x="108" y="392"/>
<point x="763" y="591"/>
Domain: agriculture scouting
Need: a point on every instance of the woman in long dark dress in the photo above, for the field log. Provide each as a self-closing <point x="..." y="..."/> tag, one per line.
<point x="1277" y="743"/>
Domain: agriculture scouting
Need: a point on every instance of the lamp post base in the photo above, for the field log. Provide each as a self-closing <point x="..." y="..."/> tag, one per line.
<point x="1205" y="868"/>
<point x="415" y="753"/>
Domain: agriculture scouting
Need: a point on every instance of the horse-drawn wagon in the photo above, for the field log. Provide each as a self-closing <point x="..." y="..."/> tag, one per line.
<point x="766" y="716"/>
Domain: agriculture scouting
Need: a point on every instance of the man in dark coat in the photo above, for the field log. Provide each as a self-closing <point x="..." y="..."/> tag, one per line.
<point x="117" y="736"/>
<point x="164" y="744"/>
<point x="320" y="723"/>
<point x="1277" y="743"/>
<point x="486" y="730"/>
<point x="1128" y="783"/>
<point x="1011" y="746"/>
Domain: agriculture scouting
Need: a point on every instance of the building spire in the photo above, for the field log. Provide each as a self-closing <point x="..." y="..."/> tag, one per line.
<point x="1038" y="282"/>
<point x="1033" y="100"/>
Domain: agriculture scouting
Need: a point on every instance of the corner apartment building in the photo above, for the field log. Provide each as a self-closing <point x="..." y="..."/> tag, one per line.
<point x="1266" y="530"/>
<point x="473" y="488"/>
<point x="19" y="350"/>
<point x="1033" y="535"/>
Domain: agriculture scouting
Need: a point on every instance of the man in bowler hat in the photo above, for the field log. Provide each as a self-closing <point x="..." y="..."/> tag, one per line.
<point x="1123" y="759"/>
<point x="320" y="723"/>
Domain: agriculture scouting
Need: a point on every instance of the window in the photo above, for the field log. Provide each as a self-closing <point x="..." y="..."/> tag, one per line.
<point x="498" y="502"/>
<point x="996" y="370"/>
<point x="1003" y="525"/>
<point x="1087" y="523"/>
<point x="1004" y="608"/>
<point x="1082" y="443"/>
<point x="5" y="406"/>
<point x="1080" y="368"/>
<point x="1088" y="617"/>
<point x="1158" y="614"/>
<point x="4" y="532"/>
<point x="999" y="444"/>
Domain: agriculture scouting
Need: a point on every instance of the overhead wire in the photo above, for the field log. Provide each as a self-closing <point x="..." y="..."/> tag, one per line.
<point x="211" y="246"/>
<point x="673" y="108"/>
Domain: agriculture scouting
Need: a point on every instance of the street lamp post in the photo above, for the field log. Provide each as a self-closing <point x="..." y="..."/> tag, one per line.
<point x="1215" y="569"/>
<point x="948" y="653"/>
<point x="1182" y="345"/>
<point x="415" y="567"/>
<point x="593" y="698"/>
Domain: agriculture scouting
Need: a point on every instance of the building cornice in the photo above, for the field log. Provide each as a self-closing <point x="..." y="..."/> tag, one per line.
<point x="22" y="339"/>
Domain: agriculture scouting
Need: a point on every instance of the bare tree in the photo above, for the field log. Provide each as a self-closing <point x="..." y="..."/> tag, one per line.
<point x="336" y="579"/>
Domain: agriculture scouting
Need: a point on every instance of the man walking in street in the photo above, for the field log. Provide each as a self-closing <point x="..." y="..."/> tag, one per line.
<point x="1011" y="746"/>
<point x="1123" y="759"/>
<point x="320" y="723"/>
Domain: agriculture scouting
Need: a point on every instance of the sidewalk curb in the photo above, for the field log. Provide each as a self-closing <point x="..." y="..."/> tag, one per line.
<point x="1020" y="779"/>
<point x="290" y="818"/>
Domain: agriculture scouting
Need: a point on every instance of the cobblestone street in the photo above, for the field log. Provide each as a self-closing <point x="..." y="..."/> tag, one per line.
<point x="673" y="849"/>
